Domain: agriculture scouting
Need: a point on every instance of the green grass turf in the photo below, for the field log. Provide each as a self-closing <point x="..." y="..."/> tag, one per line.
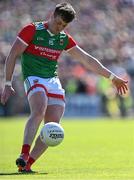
<point x="92" y="150"/>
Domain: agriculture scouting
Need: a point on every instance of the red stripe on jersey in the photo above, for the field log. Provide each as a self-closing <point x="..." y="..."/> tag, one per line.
<point x="27" y="33"/>
<point x="71" y="42"/>
<point x="59" y="96"/>
<point x="43" y="51"/>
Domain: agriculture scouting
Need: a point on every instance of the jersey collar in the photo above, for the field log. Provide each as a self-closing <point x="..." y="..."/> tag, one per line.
<point x="46" y="26"/>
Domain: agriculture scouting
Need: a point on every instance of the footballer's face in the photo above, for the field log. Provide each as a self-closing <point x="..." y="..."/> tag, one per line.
<point x="58" y="24"/>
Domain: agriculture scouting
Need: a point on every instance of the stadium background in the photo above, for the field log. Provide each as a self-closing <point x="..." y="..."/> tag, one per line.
<point x="105" y="29"/>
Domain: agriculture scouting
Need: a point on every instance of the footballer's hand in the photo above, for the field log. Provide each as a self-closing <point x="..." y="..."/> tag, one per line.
<point x="121" y="85"/>
<point x="7" y="92"/>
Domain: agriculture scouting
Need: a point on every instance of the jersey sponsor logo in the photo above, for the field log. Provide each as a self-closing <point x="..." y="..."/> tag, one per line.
<point x="45" y="52"/>
<point x="41" y="48"/>
<point x="49" y="56"/>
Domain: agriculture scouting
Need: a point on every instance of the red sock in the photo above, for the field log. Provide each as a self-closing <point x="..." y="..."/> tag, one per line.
<point x="25" y="151"/>
<point x="29" y="163"/>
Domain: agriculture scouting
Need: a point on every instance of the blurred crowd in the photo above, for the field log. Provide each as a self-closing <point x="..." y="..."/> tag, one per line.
<point x="105" y="29"/>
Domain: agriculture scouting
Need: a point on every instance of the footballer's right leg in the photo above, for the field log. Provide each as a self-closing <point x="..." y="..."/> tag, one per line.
<point x="54" y="113"/>
<point x="38" y="105"/>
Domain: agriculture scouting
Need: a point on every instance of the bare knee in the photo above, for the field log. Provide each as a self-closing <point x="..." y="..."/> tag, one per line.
<point x="39" y="112"/>
<point x="38" y="105"/>
<point x="54" y="113"/>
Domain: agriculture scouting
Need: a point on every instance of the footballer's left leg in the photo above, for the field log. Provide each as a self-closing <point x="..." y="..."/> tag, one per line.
<point x="53" y="114"/>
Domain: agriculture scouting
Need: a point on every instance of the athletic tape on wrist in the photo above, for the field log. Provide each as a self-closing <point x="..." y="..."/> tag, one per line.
<point x="111" y="77"/>
<point x="8" y="83"/>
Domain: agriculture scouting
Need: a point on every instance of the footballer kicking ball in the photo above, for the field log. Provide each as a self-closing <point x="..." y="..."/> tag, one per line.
<point x="52" y="134"/>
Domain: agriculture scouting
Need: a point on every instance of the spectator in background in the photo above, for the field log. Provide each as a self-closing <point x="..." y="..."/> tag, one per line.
<point x="107" y="25"/>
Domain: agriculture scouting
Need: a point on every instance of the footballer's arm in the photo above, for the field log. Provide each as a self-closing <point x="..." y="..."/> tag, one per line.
<point x="94" y="65"/>
<point x="17" y="49"/>
<point x="89" y="61"/>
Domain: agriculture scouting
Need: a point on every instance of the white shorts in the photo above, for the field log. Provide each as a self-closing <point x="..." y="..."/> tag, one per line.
<point x="50" y="86"/>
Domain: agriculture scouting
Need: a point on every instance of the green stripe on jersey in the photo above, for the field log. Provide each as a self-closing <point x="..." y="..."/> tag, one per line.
<point x="35" y="66"/>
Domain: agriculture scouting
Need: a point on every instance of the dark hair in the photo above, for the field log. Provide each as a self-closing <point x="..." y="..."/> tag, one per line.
<point x="66" y="11"/>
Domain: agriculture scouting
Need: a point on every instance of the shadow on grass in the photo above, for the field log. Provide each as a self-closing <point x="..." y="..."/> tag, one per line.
<point x="16" y="173"/>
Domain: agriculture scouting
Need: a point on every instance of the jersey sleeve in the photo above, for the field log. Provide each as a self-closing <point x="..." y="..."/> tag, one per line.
<point x="26" y="34"/>
<point x="71" y="43"/>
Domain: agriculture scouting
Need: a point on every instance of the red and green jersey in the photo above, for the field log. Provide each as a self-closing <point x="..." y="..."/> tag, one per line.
<point x="43" y="50"/>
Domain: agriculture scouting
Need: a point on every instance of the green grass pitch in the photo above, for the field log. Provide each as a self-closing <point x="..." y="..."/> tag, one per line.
<point x="101" y="149"/>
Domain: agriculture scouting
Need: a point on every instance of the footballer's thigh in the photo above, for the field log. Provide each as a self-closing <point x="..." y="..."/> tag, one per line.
<point x="54" y="113"/>
<point x="38" y="104"/>
<point x="37" y="95"/>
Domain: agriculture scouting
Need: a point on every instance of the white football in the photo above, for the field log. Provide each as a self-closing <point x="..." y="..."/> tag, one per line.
<point x="52" y="134"/>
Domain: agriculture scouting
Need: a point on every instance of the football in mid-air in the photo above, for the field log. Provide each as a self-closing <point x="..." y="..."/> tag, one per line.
<point x="52" y="134"/>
